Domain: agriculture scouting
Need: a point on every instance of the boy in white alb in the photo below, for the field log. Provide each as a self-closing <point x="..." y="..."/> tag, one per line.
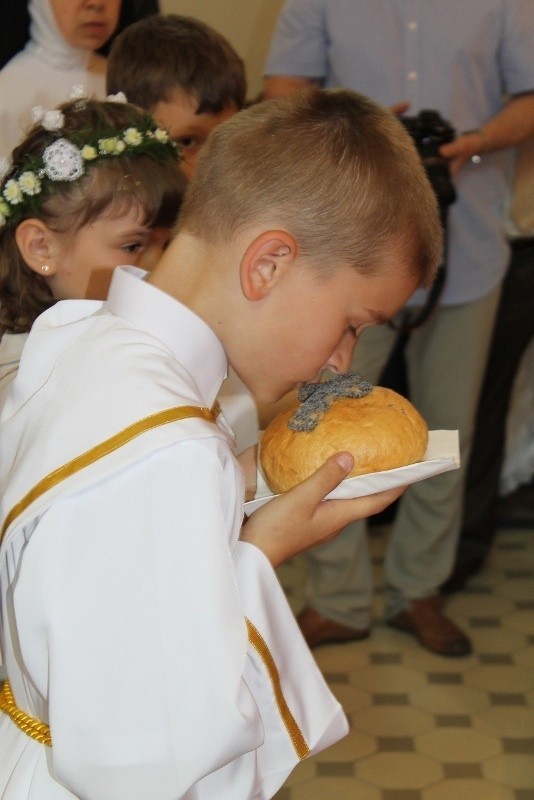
<point x="149" y="649"/>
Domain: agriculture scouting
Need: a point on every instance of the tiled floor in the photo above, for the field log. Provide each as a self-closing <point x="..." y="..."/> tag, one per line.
<point x="425" y="727"/>
<point x="430" y="728"/>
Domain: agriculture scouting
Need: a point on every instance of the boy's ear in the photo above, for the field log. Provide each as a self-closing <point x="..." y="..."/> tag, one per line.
<point x="265" y="261"/>
<point x="35" y="242"/>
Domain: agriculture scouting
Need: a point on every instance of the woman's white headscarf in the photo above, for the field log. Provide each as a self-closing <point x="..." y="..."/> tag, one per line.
<point x="47" y="43"/>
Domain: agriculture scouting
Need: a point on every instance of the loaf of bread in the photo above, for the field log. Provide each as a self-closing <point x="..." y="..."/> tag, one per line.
<point x="380" y="428"/>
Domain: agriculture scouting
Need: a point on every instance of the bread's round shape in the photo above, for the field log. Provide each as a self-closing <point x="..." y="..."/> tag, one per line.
<point x="382" y="430"/>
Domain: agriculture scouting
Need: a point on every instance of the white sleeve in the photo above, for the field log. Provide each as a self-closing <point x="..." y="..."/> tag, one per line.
<point x="128" y="589"/>
<point x="299" y="713"/>
<point x="133" y="626"/>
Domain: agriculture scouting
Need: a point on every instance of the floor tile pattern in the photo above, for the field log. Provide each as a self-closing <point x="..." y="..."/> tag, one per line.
<point x="423" y="727"/>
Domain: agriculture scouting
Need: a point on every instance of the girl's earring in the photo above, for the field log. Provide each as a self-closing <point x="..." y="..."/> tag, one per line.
<point x="45" y="268"/>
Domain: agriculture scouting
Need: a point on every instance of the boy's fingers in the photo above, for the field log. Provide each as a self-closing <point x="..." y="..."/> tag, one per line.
<point x="341" y="512"/>
<point x="375" y="503"/>
<point x="326" y="478"/>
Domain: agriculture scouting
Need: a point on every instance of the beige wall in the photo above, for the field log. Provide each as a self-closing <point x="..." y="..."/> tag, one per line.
<point x="247" y="24"/>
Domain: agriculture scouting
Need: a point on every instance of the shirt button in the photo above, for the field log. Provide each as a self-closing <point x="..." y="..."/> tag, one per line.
<point x="412" y="26"/>
<point x="412" y="75"/>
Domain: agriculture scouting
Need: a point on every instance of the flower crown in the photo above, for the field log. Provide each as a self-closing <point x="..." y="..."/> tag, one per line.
<point x="24" y="187"/>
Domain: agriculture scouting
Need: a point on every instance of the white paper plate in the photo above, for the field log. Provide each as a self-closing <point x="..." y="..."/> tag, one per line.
<point x="442" y="455"/>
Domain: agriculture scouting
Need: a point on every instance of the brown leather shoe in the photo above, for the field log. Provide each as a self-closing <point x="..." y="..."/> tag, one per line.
<point x="425" y="620"/>
<point x="318" y="630"/>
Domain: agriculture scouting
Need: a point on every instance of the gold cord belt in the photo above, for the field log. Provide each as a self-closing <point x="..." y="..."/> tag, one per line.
<point x="39" y="730"/>
<point x="33" y="727"/>
<point x="29" y="725"/>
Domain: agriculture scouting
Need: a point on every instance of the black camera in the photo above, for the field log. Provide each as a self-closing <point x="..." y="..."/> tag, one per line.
<point x="429" y="131"/>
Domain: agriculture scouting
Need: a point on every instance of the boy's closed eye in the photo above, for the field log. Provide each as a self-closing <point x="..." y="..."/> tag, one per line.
<point x="357" y="330"/>
<point x="376" y="318"/>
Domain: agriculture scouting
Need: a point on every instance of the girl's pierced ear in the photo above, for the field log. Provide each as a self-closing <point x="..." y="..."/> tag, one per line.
<point x="45" y="268"/>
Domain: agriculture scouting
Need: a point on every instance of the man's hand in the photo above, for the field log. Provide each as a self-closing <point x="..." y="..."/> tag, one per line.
<point x="300" y="518"/>
<point x="463" y="148"/>
<point x="400" y="108"/>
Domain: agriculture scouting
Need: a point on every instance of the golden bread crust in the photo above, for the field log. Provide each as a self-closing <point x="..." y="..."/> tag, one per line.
<point x="382" y="430"/>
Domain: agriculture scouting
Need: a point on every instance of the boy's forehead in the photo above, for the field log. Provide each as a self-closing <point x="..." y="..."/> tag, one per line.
<point x="381" y="291"/>
<point x="178" y="114"/>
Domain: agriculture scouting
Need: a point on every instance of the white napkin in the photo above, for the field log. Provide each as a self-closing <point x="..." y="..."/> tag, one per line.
<point x="442" y="454"/>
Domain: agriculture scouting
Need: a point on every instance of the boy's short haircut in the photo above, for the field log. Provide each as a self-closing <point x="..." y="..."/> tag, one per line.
<point x="331" y="167"/>
<point x="152" y="58"/>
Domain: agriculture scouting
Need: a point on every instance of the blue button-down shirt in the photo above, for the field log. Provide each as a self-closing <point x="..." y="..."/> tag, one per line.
<point x="456" y="56"/>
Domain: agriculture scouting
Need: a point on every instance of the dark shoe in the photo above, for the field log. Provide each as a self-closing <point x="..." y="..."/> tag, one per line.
<point x="425" y="620"/>
<point x="516" y="510"/>
<point x="461" y="573"/>
<point x="318" y="630"/>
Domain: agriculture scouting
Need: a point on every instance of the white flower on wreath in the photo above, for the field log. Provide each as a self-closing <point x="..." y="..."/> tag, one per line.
<point x="5" y="166"/>
<point x="63" y="161"/>
<point x="5" y="211"/>
<point x="161" y="136"/>
<point x="120" y="147"/>
<point x="133" y="137"/>
<point x="53" y="120"/>
<point x="36" y="114"/>
<point x="50" y="120"/>
<point x="78" y="92"/>
<point x="88" y="152"/>
<point x="120" y="97"/>
<point x="107" y="146"/>
<point x="12" y="192"/>
<point x="30" y="183"/>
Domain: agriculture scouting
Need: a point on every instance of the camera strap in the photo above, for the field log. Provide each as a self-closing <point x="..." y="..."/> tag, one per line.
<point x="394" y="373"/>
<point x="412" y="320"/>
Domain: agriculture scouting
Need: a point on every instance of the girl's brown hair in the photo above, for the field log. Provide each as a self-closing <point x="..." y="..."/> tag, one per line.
<point x="110" y="186"/>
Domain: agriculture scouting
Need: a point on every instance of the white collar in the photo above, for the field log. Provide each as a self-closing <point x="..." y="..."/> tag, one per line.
<point x="48" y="44"/>
<point x="191" y="341"/>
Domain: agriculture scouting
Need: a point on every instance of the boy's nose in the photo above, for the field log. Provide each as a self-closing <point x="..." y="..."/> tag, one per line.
<point x="341" y="359"/>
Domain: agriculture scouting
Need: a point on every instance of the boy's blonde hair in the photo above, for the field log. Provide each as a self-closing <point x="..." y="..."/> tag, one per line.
<point x="110" y="186"/>
<point x="333" y="168"/>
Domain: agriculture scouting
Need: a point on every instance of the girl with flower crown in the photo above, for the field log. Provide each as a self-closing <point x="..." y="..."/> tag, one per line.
<point x="94" y="185"/>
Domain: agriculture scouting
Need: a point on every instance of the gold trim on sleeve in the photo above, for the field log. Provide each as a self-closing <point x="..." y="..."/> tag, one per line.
<point x="104" y="449"/>
<point x="40" y="731"/>
<point x="295" y="734"/>
<point x="29" y="725"/>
